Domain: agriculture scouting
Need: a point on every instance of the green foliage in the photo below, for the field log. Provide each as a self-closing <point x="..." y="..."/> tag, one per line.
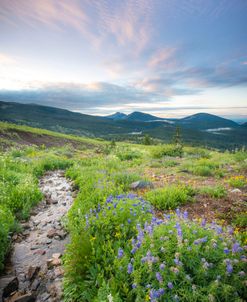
<point x="125" y="179"/>
<point x="170" y="197"/>
<point x="237" y="181"/>
<point x="102" y="232"/>
<point x="6" y="224"/>
<point x="126" y="153"/>
<point x="216" y="191"/>
<point x="167" y="150"/>
<point x="204" y="167"/>
<point x="241" y="220"/>
<point x="197" y="152"/>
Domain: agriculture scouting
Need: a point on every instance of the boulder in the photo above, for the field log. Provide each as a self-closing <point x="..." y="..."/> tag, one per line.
<point x="141" y="184"/>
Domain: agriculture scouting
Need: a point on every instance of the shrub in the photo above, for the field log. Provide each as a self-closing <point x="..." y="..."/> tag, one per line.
<point x="127" y="154"/>
<point x="124" y="180"/>
<point x="197" y="152"/>
<point x="167" y="150"/>
<point x="169" y="197"/>
<point x="241" y="220"/>
<point x="238" y="181"/>
<point x="216" y="192"/>
<point x="204" y="167"/>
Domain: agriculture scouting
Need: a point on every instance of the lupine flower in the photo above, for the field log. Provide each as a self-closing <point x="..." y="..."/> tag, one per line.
<point x="226" y="251"/>
<point x="120" y="252"/>
<point x="130" y="268"/>
<point x="185" y="215"/>
<point x="159" y="277"/>
<point x="129" y="221"/>
<point x="236" y="248"/>
<point x="134" y="285"/>
<point x="162" y="266"/>
<point x="170" y="285"/>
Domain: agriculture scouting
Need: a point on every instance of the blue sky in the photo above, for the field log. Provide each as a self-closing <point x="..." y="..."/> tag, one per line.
<point x="169" y="58"/>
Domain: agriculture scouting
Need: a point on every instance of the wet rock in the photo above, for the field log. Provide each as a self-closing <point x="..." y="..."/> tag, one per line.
<point x="8" y="285"/>
<point x="39" y="252"/>
<point x="35" y="284"/>
<point x="25" y="298"/>
<point x="32" y="272"/>
<point x="141" y="184"/>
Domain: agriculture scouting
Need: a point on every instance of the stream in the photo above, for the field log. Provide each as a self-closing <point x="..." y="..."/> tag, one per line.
<point x="34" y="271"/>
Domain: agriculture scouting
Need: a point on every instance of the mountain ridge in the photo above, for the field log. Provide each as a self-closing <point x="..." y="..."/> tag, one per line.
<point x="219" y="133"/>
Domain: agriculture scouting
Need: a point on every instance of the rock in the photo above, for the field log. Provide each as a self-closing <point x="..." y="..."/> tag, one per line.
<point x="141" y="184"/>
<point x="35" y="284"/>
<point x="39" y="252"/>
<point x="55" y="201"/>
<point x="49" y="241"/>
<point x="56" y="255"/>
<point x="8" y="285"/>
<point x="44" y="297"/>
<point x="25" y="298"/>
<point x="35" y="247"/>
<point x="53" y="262"/>
<point x="32" y="272"/>
<point x="52" y="233"/>
<point x="36" y="222"/>
<point x="235" y="191"/>
<point x="58" y="272"/>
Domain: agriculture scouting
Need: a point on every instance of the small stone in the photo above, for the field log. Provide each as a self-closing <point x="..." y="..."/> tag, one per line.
<point x="34" y="247"/>
<point x="51" y="233"/>
<point x="55" y="201"/>
<point x="49" y="241"/>
<point x="36" y="222"/>
<point x="56" y="255"/>
<point x="39" y="252"/>
<point x="58" y="272"/>
<point x="32" y="272"/>
<point x="35" y="284"/>
<point x="235" y="191"/>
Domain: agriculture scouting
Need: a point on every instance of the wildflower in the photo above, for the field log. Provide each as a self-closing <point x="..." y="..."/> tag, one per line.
<point x="130" y="268"/>
<point x="134" y="285"/>
<point x="177" y="212"/>
<point x="129" y="221"/>
<point x="229" y="268"/>
<point x="170" y="285"/>
<point x="159" y="277"/>
<point x="236" y="247"/>
<point x="110" y="298"/>
<point x="162" y="266"/>
<point x="226" y="251"/>
<point x="203" y="224"/>
<point x="120" y="252"/>
<point x="185" y="214"/>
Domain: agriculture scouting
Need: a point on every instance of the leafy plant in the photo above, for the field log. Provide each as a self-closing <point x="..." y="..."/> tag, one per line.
<point x="216" y="191"/>
<point x="238" y="181"/>
<point x="170" y="197"/>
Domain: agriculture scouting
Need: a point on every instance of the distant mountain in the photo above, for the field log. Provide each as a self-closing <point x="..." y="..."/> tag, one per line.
<point x="199" y="129"/>
<point x="142" y="117"/>
<point x="117" y="116"/>
<point x="136" y="116"/>
<point x="205" y="121"/>
<point x="244" y="125"/>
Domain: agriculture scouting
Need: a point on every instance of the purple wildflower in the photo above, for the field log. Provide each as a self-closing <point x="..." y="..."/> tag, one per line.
<point x="130" y="268"/>
<point x="162" y="266"/>
<point x="120" y="252"/>
<point x="159" y="277"/>
<point x="170" y="285"/>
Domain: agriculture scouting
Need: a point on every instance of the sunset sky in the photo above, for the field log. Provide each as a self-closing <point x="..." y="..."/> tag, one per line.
<point x="171" y="58"/>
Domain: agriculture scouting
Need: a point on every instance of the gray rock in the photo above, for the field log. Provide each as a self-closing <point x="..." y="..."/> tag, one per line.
<point x="141" y="184"/>
<point x="8" y="285"/>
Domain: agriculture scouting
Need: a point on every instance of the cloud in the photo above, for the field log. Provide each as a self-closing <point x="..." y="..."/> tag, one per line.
<point x="6" y="59"/>
<point x="163" y="58"/>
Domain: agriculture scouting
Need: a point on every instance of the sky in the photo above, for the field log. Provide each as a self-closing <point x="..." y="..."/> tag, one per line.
<point x="171" y="58"/>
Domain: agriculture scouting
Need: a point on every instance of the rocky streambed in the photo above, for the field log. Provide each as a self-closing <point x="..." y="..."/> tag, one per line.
<point x="34" y="271"/>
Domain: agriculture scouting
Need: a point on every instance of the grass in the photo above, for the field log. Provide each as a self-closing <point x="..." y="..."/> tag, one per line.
<point x="170" y="197"/>
<point x="213" y="191"/>
<point x="238" y="181"/>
